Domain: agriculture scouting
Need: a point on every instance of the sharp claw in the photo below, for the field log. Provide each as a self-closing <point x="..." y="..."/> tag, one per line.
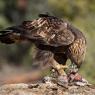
<point x="63" y="81"/>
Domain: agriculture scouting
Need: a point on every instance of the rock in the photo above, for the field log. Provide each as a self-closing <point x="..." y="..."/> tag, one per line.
<point x="45" y="89"/>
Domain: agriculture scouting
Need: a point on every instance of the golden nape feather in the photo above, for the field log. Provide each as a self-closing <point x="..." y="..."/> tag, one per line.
<point x="52" y="34"/>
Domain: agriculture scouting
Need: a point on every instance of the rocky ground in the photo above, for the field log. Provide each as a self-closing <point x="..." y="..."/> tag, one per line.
<point x="45" y="89"/>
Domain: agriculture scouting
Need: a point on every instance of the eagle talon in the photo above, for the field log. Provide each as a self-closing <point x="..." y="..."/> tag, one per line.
<point x="63" y="81"/>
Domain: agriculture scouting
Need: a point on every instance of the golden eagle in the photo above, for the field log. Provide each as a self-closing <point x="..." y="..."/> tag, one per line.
<point x="56" y="39"/>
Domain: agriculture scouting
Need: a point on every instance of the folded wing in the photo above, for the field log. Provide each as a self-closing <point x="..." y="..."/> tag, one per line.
<point x="47" y="30"/>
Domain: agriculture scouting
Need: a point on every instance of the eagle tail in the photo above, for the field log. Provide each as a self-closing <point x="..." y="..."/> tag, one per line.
<point x="10" y="35"/>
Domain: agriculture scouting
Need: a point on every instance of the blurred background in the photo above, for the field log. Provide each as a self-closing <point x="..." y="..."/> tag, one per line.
<point x="16" y="60"/>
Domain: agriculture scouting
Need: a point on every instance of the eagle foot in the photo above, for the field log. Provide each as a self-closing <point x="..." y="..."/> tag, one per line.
<point x="60" y="69"/>
<point x="63" y="81"/>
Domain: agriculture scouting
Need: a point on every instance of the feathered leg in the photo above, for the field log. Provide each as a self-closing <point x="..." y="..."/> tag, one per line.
<point x="47" y="57"/>
<point x="61" y="62"/>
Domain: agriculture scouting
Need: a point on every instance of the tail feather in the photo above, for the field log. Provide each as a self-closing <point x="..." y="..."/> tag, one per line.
<point x="6" y="39"/>
<point x="10" y="35"/>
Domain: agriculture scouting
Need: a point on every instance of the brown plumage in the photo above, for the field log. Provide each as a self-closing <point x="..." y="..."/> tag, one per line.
<point x="57" y="40"/>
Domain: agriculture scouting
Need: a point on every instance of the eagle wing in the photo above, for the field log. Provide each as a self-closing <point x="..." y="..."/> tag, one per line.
<point x="46" y="30"/>
<point x="49" y="30"/>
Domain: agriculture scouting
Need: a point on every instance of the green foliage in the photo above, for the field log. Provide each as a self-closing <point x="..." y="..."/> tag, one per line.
<point x="80" y="12"/>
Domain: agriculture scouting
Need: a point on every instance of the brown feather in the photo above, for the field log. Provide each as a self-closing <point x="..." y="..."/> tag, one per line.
<point x="52" y="34"/>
